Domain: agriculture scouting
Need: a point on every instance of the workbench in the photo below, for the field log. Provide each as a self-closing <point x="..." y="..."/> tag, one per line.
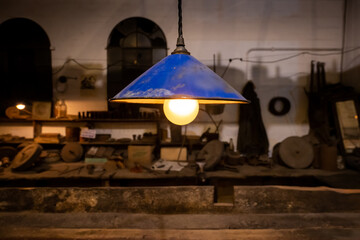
<point x="108" y="174"/>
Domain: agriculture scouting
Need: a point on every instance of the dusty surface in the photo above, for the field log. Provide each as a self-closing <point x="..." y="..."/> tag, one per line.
<point x="178" y="200"/>
<point x="186" y="199"/>
<point x="109" y="170"/>
<point x="258" y="212"/>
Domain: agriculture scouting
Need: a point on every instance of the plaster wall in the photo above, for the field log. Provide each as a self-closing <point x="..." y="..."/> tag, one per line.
<point x="79" y="29"/>
<point x="351" y="60"/>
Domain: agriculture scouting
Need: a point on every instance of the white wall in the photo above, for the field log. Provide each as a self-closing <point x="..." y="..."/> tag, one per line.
<point x="227" y="28"/>
<point x="351" y="61"/>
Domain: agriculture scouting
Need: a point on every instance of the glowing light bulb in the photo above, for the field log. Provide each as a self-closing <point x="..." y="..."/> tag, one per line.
<point x="181" y="111"/>
<point x="20" y="106"/>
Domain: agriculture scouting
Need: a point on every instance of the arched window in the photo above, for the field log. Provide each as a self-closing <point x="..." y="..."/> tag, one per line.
<point x="25" y="63"/>
<point x="134" y="45"/>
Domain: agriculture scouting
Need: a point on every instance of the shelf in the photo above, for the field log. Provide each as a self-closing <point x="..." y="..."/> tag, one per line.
<point x="6" y="120"/>
<point x="116" y="143"/>
<point x="37" y="124"/>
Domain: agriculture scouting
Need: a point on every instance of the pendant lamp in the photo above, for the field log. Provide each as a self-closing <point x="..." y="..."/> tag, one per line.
<point x="180" y="83"/>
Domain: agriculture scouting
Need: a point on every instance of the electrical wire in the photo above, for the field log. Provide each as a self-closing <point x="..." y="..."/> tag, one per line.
<point x="229" y="61"/>
<point x="85" y="67"/>
<point x="180" y="32"/>
<point x="182" y="145"/>
<point x="226" y="69"/>
<point x="287" y="58"/>
<point x="217" y="125"/>
<point x="180" y="19"/>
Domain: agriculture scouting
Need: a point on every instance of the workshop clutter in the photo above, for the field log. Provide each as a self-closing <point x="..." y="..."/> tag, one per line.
<point x="7" y="154"/>
<point x="31" y="156"/>
<point x="60" y="109"/>
<point x="172" y="149"/>
<point x="51" y="148"/>
<point x="323" y="147"/>
<point x="140" y="154"/>
<point x="26" y="157"/>
<point x="305" y="152"/>
<point x="132" y="112"/>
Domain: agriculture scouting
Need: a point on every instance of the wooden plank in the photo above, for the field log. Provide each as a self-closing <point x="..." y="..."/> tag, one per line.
<point x="37" y="127"/>
<point x="179" y="221"/>
<point x="224" y="234"/>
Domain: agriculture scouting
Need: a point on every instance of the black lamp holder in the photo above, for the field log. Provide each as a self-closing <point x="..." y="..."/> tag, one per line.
<point x="180" y="43"/>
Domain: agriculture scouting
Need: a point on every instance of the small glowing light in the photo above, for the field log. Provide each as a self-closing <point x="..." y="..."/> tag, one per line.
<point x="20" y="106"/>
<point x="181" y="111"/>
<point x="356" y="117"/>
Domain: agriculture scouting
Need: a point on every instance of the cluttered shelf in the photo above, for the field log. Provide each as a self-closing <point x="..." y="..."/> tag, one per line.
<point x="72" y="126"/>
<point x="65" y="120"/>
<point x="4" y="121"/>
<point x="89" y="165"/>
<point x="135" y="165"/>
<point x="61" y="143"/>
<point x="104" y="161"/>
<point x="56" y="140"/>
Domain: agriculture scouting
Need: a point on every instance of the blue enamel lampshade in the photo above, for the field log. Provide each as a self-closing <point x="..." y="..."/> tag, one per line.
<point x="179" y="76"/>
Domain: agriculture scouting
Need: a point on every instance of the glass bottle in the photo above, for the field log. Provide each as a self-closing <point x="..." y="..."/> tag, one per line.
<point x="60" y="109"/>
<point x="231" y="145"/>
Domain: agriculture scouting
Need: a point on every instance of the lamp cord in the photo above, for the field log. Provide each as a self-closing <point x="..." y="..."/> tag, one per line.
<point x="180" y="19"/>
<point x="180" y="43"/>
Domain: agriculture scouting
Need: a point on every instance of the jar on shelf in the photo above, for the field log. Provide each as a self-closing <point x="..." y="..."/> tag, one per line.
<point x="231" y="145"/>
<point x="60" y="109"/>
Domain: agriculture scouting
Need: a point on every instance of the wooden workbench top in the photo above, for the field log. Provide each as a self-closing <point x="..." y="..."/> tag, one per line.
<point x="109" y="171"/>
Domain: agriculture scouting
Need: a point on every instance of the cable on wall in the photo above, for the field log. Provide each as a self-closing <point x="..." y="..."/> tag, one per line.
<point x="287" y="58"/>
<point x="229" y="61"/>
<point x="85" y="67"/>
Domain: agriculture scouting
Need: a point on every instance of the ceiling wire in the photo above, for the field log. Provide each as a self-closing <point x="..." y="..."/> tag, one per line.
<point x="229" y="60"/>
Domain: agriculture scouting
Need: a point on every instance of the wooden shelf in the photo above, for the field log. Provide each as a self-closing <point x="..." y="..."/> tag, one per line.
<point x="6" y="120"/>
<point x="55" y="120"/>
<point x="85" y="143"/>
<point x="37" y="124"/>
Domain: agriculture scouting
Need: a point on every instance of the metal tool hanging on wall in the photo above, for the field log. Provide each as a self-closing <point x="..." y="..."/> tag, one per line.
<point x="318" y="104"/>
